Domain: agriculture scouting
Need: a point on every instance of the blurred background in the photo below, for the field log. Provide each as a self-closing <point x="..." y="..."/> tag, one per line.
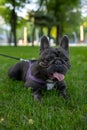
<point x="23" y="22"/>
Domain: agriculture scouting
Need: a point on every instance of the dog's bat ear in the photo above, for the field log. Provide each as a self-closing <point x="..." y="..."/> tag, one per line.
<point x="65" y="43"/>
<point x="44" y="43"/>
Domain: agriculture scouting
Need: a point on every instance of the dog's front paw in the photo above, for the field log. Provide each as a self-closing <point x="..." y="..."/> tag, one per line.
<point x="27" y="84"/>
<point x="64" y="95"/>
<point x="37" y="97"/>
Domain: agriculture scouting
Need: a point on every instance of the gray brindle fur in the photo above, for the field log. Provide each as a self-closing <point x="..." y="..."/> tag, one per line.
<point x="51" y="60"/>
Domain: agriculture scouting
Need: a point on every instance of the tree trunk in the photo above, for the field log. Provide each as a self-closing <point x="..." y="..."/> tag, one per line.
<point x="59" y="34"/>
<point x="14" y="22"/>
<point x="41" y="31"/>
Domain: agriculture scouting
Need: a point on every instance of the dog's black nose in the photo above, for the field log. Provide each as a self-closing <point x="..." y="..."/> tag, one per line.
<point x="58" y="62"/>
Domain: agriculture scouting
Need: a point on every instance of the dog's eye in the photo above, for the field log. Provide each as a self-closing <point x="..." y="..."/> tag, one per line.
<point x="63" y="57"/>
<point x="66" y="59"/>
<point x="49" y="59"/>
<point x="42" y="59"/>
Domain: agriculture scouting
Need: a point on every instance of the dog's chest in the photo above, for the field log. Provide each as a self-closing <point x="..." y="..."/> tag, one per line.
<point x="50" y="84"/>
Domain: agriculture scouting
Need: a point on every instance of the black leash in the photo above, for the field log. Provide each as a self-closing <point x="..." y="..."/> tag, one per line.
<point x="12" y="57"/>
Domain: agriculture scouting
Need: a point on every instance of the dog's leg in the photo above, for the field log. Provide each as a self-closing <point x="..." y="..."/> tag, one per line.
<point x="37" y="94"/>
<point x="63" y="93"/>
<point x="27" y="84"/>
<point x="61" y="86"/>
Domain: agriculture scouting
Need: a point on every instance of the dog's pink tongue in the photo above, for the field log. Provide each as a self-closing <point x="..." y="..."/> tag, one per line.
<point x="58" y="76"/>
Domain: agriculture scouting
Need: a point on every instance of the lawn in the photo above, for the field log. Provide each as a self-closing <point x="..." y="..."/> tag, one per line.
<point x="18" y="110"/>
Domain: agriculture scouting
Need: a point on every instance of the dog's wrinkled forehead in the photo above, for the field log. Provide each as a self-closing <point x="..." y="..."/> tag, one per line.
<point x="49" y="52"/>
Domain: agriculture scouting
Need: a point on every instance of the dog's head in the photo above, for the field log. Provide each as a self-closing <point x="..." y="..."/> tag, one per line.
<point x="55" y="61"/>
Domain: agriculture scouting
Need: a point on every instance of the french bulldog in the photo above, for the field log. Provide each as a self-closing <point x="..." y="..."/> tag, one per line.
<point x="47" y="72"/>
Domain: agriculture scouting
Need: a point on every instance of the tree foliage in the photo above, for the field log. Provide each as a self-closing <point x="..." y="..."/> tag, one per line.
<point x="58" y="13"/>
<point x="64" y="15"/>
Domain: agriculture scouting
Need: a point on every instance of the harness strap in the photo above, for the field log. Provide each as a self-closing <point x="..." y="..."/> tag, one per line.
<point x="30" y="76"/>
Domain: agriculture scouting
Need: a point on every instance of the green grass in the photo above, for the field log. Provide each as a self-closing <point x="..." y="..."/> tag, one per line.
<point x="18" y="110"/>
